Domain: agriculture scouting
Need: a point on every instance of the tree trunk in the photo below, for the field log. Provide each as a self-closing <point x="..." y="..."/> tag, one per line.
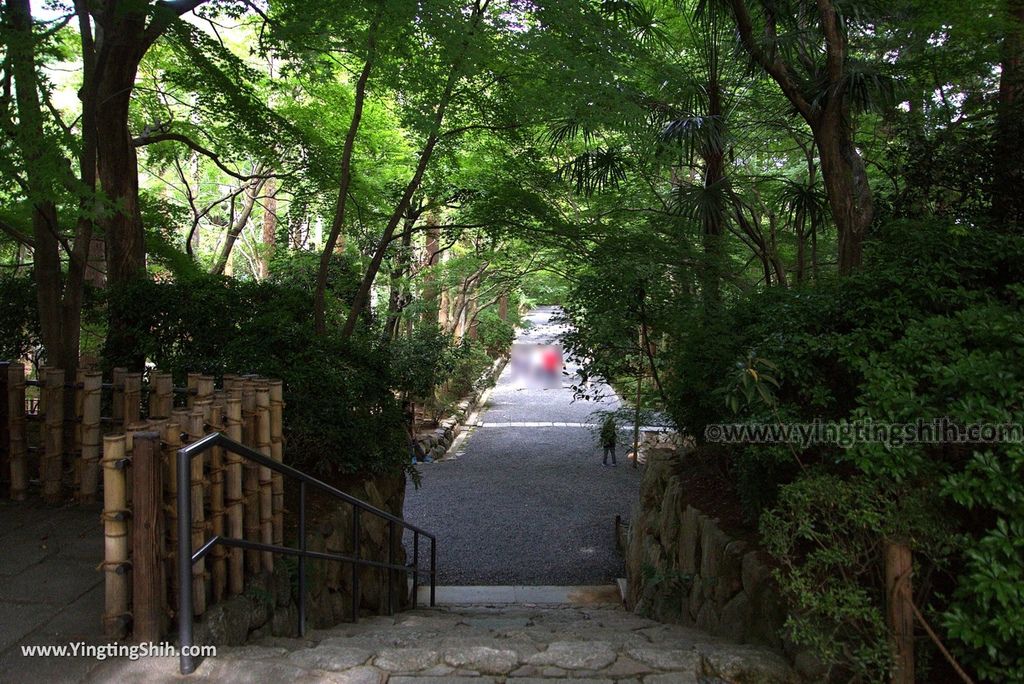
<point x="32" y="142"/>
<point x="269" y="229"/>
<point x="338" y="223"/>
<point x="238" y="226"/>
<point x="1008" y="186"/>
<point x="846" y="184"/>
<point x="397" y="299"/>
<point x="118" y="164"/>
<point x="431" y="308"/>
<point x="454" y="74"/>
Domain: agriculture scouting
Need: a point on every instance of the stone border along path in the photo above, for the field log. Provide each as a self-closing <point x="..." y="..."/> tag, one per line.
<point x="481" y="645"/>
<point x="524" y="499"/>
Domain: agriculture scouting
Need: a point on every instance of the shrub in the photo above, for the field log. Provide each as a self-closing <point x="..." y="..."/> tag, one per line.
<point x="341" y="414"/>
<point x="19" y="317"/>
<point x="930" y="328"/>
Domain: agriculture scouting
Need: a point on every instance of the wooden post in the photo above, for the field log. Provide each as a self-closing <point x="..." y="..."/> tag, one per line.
<point x="5" y="442"/>
<point x="233" y="425"/>
<point x="250" y="482"/>
<point x="51" y="465"/>
<point x="898" y="568"/>
<point x="172" y="442"/>
<point x="92" y="387"/>
<point x="263" y="445"/>
<point x="147" y="538"/>
<point x="16" y="430"/>
<point x="277" y="453"/>
<point x="117" y="393"/>
<point x="195" y="431"/>
<point x="115" y="533"/>
<point x="218" y="554"/>
<point x="161" y="395"/>
<point x="132" y="398"/>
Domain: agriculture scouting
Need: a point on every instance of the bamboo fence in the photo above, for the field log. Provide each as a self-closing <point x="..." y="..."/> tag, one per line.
<point x="80" y="450"/>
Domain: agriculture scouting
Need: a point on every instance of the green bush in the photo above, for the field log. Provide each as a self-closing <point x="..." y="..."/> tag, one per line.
<point x="341" y="414"/>
<point x="494" y="334"/>
<point x="932" y="327"/>
<point x="19" y="317"/>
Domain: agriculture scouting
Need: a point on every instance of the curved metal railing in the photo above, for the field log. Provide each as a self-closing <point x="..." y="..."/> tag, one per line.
<point x="187" y="557"/>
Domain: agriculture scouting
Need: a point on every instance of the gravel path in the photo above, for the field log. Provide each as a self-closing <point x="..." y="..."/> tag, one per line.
<point x="527" y="505"/>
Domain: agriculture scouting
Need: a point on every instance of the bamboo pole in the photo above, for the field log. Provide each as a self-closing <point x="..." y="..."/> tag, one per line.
<point x="76" y="431"/>
<point x="277" y="453"/>
<point x="92" y="382"/>
<point x="250" y="482"/>
<point x="132" y="398"/>
<point x="233" y="425"/>
<point x="219" y="553"/>
<point x="172" y="442"/>
<point x="115" y="532"/>
<point x="263" y="445"/>
<point x="147" y="538"/>
<point x="192" y="382"/>
<point x="196" y="422"/>
<point x="161" y="395"/>
<point x="117" y="394"/>
<point x="16" y="431"/>
<point x="51" y="466"/>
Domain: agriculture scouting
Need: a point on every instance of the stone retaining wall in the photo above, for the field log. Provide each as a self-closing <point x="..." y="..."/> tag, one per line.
<point x="683" y="568"/>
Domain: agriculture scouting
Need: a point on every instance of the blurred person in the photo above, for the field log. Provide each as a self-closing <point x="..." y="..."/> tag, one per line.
<point x="609" y="438"/>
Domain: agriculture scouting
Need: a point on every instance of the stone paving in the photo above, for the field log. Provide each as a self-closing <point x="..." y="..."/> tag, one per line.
<point x="482" y="645"/>
<point x="50" y="590"/>
<point x="525" y="499"/>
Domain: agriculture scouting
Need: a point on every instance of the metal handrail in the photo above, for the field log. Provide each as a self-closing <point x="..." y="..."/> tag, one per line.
<point x="187" y="557"/>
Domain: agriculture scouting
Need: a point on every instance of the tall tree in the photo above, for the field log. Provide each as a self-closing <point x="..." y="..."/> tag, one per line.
<point x="811" y="66"/>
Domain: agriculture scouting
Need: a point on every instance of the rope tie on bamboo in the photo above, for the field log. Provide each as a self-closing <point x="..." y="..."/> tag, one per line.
<point x="117" y="567"/>
<point x="116" y="516"/>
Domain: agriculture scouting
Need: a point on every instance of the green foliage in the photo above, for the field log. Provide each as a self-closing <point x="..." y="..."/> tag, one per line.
<point x="19" y="317"/>
<point x="826" y="532"/>
<point x="341" y="414"/>
<point x="423" y="361"/>
<point x="495" y="335"/>
<point x="929" y="330"/>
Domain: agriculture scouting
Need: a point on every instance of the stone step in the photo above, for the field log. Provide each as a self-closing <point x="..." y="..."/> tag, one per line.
<point x="483" y="644"/>
<point x="594" y="595"/>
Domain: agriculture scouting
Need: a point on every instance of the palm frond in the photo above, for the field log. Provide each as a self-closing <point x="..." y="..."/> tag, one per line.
<point x="594" y="170"/>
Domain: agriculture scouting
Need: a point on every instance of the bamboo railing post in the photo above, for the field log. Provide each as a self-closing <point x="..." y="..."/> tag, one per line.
<point x="192" y="382"/>
<point x="16" y="431"/>
<point x="195" y="432"/>
<point x="218" y="572"/>
<point x="117" y="396"/>
<point x="250" y="481"/>
<point x="51" y="465"/>
<point x="76" y="432"/>
<point x="172" y="442"/>
<point x="277" y="453"/>
<point x="132" y="398"/>
<point x="161" y="395"/>
<point x="263" y="445"/>
<point x="115" y="533"/>
<point x="92" y="387"/>
<point x="898" y="567"/>
<point x="233" y="425"/>
<point x="147" y="538"/>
